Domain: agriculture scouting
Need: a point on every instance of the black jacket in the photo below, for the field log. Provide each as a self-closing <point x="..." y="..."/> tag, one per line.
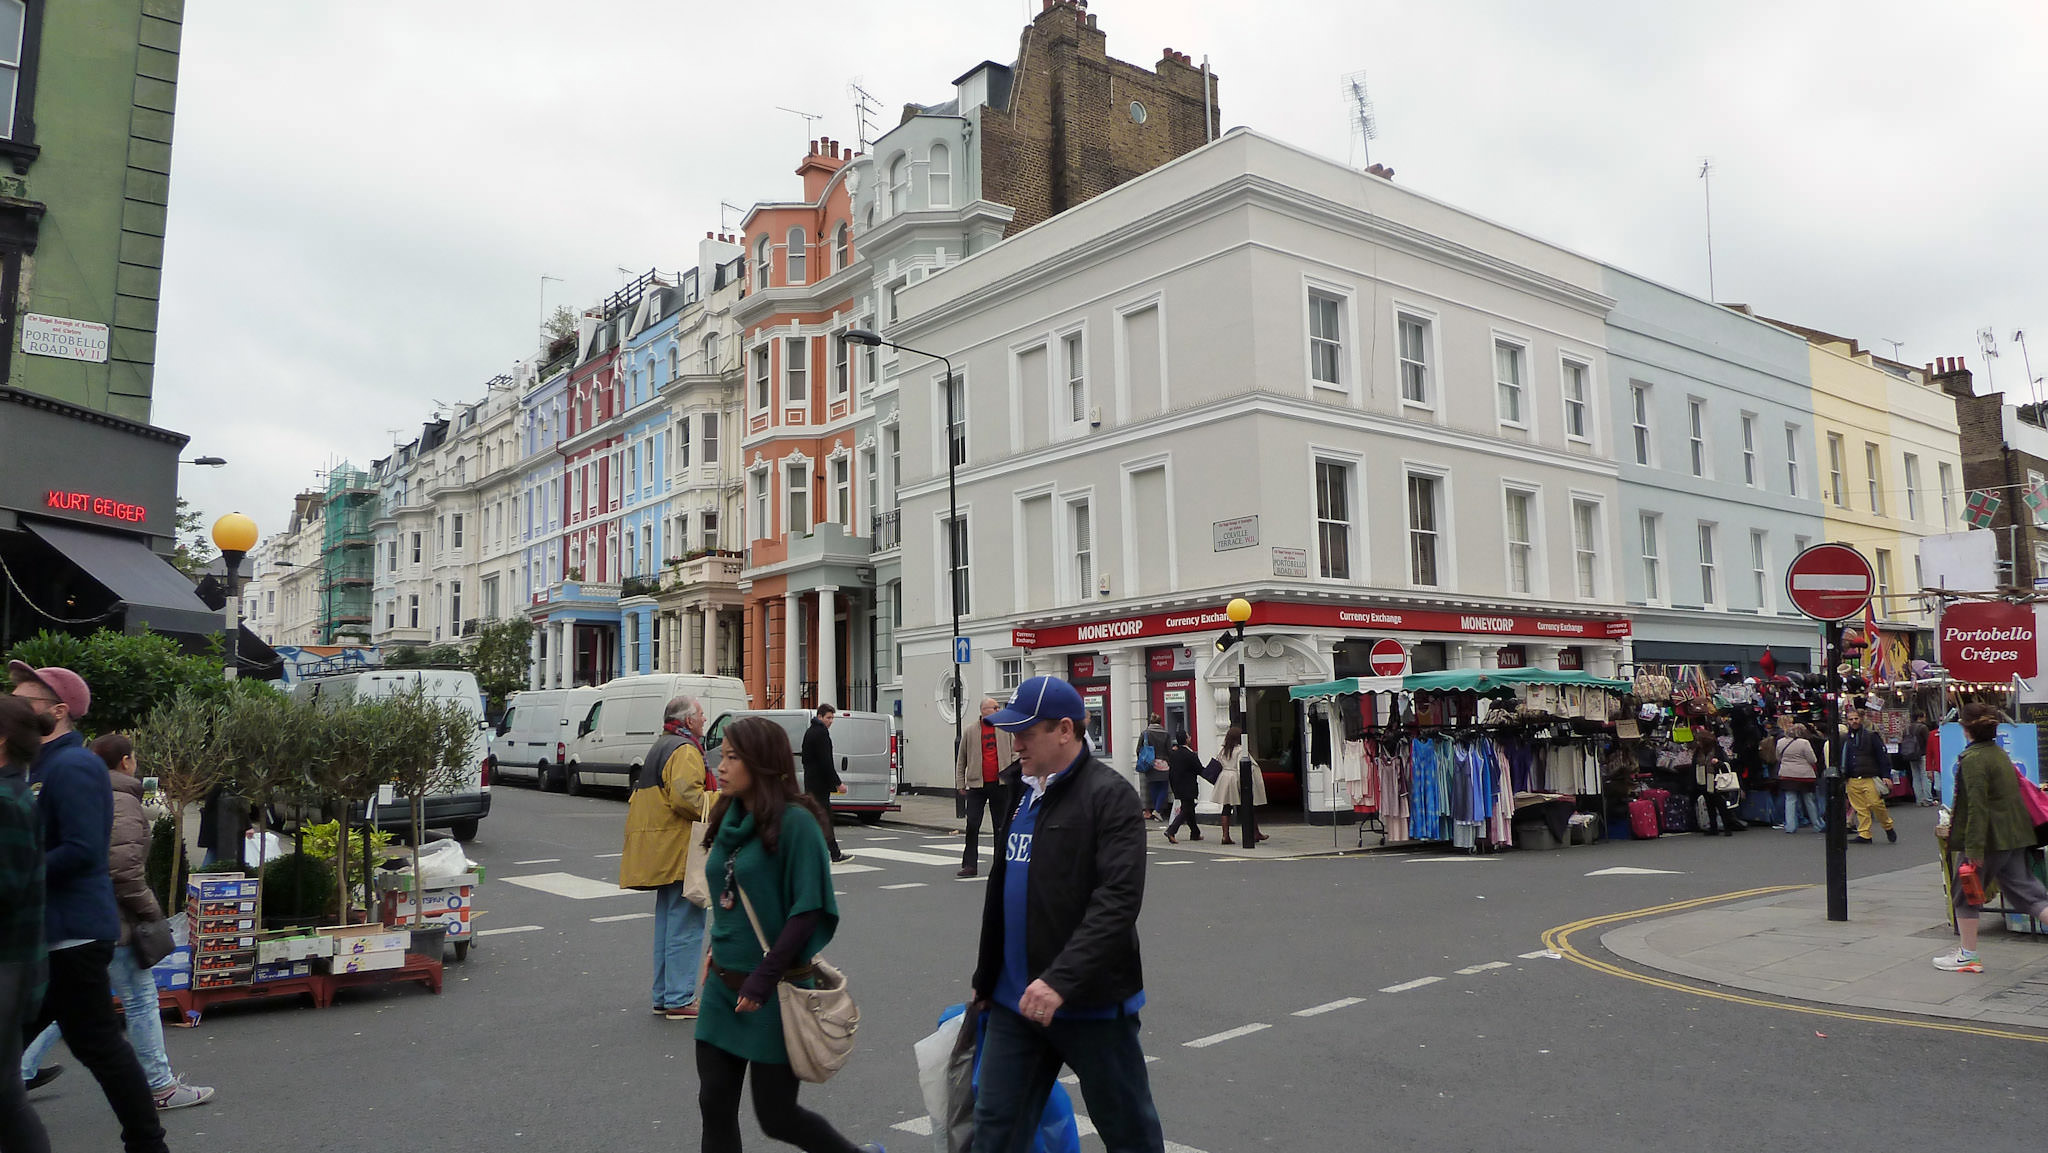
<point x="1183" y="772"/>
<point x="820" y="777"/>
<point x="1863" y="755"/>
<point x="1087" y="886"/>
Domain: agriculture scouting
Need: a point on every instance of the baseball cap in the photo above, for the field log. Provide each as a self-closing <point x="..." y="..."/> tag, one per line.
<point x="67" y="685"/>
<point x="1040" y="699"/>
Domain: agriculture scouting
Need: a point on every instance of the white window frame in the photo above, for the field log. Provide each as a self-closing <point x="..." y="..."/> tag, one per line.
<point x="761" y="394"/>
<point x="842" y="247"/>
<point x="1947" y="479"/>
<point x="1641" y="440"/>
<point x="794" y="377"/>
<point x="938" y="176"/>
<point x="1592" y="552"/>
<point x="1707" y="544"/>
<point x="796" y="255"/>
<point x="758" y="497"/>
<point x="1838" y="468"/>
<point x="1650" y="534"/>
<point x="1345" y="297"/>
<point x="1913" y="487"/>
<point x="1873" y="464"/>
<point x="1432" y="356"/>
<point x="1069" y="345"/>
<point x="790" y="492"/>
<point x="1532" y="583"/>
<point x="1354" y="529"/>
<point x="1792" y="435"/>
<point x="1752" y="467"/>
<point x="1155" y="303"/>
<point x="1446" y="557"/>
<point x="1699" y="450"/>
<point x="840" y="471"/>
<point x="1882" y="563"/>
<point x="1566" y="363"/>
<point x="1525" y="414"/>
<point x="710" y="437"/>
<point x="942" y="571"/>
<point x="842" y="365"/>
<point x="681" y="440"/>
<point x="764" y="256"/>
<point x="1078" y="576"/>
<point x="896" y="184"/>
<point x="942" y="435"/>
<point x="1760" y="570"/>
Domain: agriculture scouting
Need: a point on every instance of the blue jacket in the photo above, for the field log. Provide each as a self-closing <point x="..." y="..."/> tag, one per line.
<point x="76" y="798"/>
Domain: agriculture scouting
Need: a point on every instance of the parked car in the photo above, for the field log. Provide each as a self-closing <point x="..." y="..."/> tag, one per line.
<point x="625" y="717"/>
<point x="864" y="744"/>
<point x="459" y="810"/>
<point x="532" y="742"/>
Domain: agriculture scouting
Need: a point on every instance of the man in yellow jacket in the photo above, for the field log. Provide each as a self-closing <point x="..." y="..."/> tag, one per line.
<point x="670" y="795"/>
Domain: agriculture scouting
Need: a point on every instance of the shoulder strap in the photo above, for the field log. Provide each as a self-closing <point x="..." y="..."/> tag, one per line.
<point x="752" y="919"/>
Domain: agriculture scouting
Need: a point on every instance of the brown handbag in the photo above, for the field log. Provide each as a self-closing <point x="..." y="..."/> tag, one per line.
<point x="817" y="1023"/>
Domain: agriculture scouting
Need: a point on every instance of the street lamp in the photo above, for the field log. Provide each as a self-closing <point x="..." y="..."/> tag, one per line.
<point x="1240" y="611"/>
<point x="234" y="535"/>
<point x="205" y="461"/>
<point x="873" y="339"/>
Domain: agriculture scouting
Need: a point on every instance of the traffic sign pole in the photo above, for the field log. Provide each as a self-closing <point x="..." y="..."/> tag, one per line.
<point x="1837" y="786"/>
<point x="1832" y="583"/>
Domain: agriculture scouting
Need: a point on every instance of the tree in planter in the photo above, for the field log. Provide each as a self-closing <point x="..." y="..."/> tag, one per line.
<point x="275" y="752"/>
<point x="430" y="753"/>
<point x="180" y="745"/>
<point x="502" y="659"/>
<point x="359" y="740"/>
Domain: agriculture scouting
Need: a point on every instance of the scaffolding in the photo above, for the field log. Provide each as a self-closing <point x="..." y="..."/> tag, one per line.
<point x="347" y="555"/>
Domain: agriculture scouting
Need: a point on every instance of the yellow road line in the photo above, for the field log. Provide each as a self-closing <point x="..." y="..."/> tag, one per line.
<point x="1559" y="940"/>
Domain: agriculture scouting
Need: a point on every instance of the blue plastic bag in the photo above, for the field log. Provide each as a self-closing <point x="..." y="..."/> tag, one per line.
<point x="1057" y="1131"/>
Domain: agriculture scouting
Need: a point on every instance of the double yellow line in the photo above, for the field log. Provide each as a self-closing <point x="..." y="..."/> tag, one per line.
<point x="1559" y="940"/>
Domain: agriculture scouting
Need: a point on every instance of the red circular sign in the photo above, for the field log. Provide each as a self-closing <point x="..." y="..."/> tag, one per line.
<point x="1389" y="659"/>
<point x="1830" y="582"/>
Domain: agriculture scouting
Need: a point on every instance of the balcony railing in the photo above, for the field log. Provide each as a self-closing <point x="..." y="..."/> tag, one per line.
<point x="888" y="529"/>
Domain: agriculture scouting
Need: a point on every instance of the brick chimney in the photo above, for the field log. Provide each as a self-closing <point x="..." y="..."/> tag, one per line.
<point x="818" y="167"/>
<point x="1952" y="375"/>
<point x="1381" y="171"/>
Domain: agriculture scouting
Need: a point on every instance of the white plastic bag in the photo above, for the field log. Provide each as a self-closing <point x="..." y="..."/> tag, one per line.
<point x="945" y="1075"/>
<point x="441" y="861"/>
<point x="255" y="855"/>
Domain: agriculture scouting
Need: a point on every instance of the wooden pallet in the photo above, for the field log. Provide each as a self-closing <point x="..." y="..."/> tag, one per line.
<point x="189" y="1005"/>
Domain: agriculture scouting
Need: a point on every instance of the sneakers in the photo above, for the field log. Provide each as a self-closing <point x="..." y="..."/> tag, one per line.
<point x="181" y="1095"/>
<point x="1892" y="835"/>
<point x="1861" y="841"/>
<point x="840" y="858"/>
<point x="44" y="1076"/>
<point x="1959" y="961"/>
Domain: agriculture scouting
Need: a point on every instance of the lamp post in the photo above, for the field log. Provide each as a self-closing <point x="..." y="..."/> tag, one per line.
<point x="234" y="535"/>
<point x="872" y="339"/>
<point x="1240" y="611"/>
<point x="205" y="461"/>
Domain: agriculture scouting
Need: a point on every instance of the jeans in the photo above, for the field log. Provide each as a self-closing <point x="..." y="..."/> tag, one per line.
<point x="719" y="1075"/>
<point x="81" y="1002"/>
<point x="1185" y="815"/>
<point x="1156" y="797"/>
<point x="20" y="1128"/>
<point x="980" y="798"/>
<point x="678" y="947"/>
<point x="136" y="988"/>
<point x="1807" y="800"/>
<point x="1020" y="1061"/>
<point x="1923" y="790"/>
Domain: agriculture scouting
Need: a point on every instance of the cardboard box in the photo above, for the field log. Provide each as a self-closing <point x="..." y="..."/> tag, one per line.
<point x="220" y="887"/>
<point x="282" y="972"/>
<point x="357" y="940"/>
<point x="220" y="980"/>
<point x="180" y="979"/>
<point x="220" y="926"/>
<point x="457" y="924"/>
<point x="225" y="908"/>
<point x="221" y="962"/>
<point x="280" y="950"/>
<point x="229" y="944"/>
<point x="367" y="962"/>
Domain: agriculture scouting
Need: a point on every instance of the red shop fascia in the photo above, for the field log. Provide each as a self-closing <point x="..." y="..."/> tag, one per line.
<point x="1512" y="627"/>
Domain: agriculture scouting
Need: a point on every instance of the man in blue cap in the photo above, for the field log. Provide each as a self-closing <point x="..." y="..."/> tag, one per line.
<point x="1058" y="970"/>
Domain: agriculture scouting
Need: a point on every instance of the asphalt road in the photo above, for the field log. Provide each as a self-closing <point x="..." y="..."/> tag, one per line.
<point x="1394" y="1001"/>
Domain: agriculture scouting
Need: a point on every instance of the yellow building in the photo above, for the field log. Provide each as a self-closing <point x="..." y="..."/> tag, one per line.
<point x="1888" y="457"/>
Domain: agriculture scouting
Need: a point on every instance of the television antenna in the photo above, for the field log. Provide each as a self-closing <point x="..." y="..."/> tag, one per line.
<point x="1707" y="182"/>
<point x="810" y="120"/>
<point x="1896" y="345"/>
<point x="1365" y="124"/>
<point x="725" y="206"/>
<point x="865" y="106"/>
<point x="1987" y="343"/>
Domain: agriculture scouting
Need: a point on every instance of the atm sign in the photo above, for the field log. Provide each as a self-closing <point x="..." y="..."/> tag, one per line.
<point x="91" y="505"/>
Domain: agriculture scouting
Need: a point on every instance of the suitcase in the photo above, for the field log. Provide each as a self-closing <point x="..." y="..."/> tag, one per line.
<point x="1642" y="819"/>
<point x="1676" y="816"/>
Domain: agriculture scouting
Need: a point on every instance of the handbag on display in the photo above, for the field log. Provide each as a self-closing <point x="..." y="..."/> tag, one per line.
<point x="817" y="1024"/>
<point x="152" y="942"/>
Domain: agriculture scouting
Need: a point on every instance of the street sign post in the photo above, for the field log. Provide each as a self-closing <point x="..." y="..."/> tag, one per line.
<point x="963" y="651"/>
<point x="1832" y="583"/>
<point x="1389" y="658"/>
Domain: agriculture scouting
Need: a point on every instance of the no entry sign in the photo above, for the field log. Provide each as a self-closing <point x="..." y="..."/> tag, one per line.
<point x="1389" y="659"/>
<point x="1830" y="582"/>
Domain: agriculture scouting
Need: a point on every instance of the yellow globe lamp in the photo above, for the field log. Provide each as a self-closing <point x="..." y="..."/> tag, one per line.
<point x="234" y="533"/>
<point x="1239" y="611"/>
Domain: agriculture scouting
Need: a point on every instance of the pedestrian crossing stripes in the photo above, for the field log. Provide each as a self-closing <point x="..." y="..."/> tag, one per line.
<point x="1468" y="971"/>
<point x="903" y="856"/>
<point x="1406" y="986"/>
<point x="1328" y="1007"/>
<point x="1226" y="1035"/>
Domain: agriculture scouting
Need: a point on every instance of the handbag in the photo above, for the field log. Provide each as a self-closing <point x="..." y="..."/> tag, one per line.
<point x="818" y="1023"/>
<point x="1727" y="782"/>
<point x="696" y="889"/>
<point x="1212" y="770"/>
<point x="152" y="942"/>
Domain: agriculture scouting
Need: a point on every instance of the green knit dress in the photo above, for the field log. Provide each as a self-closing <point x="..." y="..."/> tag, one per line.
<point x="795" y="879"/>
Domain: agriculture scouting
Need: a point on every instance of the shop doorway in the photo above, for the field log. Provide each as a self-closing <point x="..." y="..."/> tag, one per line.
<point x="1274" y="732"/>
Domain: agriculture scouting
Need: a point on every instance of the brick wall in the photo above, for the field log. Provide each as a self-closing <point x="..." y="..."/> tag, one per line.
<point x="1989" y="464"/>
<point x="1069" y="133"/>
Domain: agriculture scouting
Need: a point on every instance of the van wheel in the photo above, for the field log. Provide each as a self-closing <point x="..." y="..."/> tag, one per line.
<point x="544" y="778"/>
<point x="870" y="819"/>
<point x="575" y="779"/>
<point x="465" y="831"/>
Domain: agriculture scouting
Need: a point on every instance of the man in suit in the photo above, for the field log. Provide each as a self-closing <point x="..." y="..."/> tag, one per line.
<point x="821" y="778"/>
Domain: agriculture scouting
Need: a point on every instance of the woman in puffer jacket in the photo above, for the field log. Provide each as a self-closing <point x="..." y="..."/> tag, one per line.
<point x="132" y="982"/>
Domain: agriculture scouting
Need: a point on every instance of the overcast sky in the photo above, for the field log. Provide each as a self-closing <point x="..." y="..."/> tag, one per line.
<point x="365" y="196"/>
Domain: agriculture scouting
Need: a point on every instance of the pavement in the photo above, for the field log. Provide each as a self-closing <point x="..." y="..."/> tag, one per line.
<point x="1404" y="1000"/>
<point x="1881" y="958"/>
<point x="1284" y="838"/>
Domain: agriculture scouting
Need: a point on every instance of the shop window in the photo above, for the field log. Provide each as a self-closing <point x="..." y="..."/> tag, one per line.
<point x="1428" y="657"/>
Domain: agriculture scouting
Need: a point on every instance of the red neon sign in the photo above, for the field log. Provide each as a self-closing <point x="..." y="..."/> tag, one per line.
<point x="91" y="505"/>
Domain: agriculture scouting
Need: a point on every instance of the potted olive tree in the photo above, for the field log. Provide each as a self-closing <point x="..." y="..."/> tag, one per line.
<point x="179" y="744"/>
<point x="275" y="750"/>
<point x="428" y="751"/>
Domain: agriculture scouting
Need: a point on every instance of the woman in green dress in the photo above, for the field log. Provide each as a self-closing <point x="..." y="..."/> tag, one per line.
<point x="765" y="838"/>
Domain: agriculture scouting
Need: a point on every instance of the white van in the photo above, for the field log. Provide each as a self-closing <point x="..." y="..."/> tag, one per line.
<point x="863" y="745"/>
<point x="532" y="742"/>
<point x="625" y="717"/>
<point x="459" y="810"/>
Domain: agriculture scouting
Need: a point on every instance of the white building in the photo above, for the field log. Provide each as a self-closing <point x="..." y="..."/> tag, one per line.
<point x="1253" y="372"/>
